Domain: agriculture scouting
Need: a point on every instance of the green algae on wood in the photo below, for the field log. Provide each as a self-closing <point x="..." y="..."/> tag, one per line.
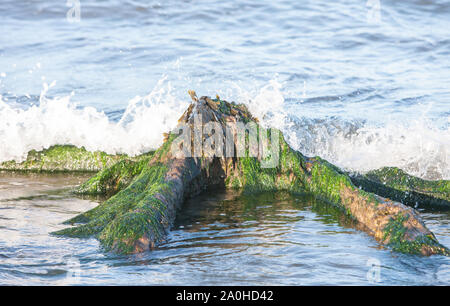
<point x="129" y="216"/>
<point x="138" y="217"/>
<point x="394" y="233"/>
<point x="64" y="158"/>
<point x="396" y="184"/>
<point x="115" y="178"/>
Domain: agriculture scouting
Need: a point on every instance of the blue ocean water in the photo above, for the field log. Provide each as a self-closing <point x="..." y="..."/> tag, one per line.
<point x="364" y="84"/>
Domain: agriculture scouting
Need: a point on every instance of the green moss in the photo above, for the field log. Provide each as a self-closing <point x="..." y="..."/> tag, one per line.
<point x="326" y="181"/>
<point x="254" y="178"/>
<point x="395" y="230"/>
<point x="115" y="178"/>
<point x="399" y="179"/>
<point x="396" y="184"/>
<point x="111" y="220"/>
<point x="236" y="183"/>
<point x="63" y="158"/>
<point x="123" y="232"/>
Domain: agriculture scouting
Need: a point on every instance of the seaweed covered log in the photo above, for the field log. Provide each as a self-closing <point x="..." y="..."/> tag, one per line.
<point x="137" y="218"/>
<point x="219" y="144"/>
<point x="63" y="158"/>
<point x="396" y="184"/>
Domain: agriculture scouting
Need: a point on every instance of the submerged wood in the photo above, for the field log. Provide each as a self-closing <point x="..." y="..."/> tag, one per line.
<point x="149" y="191"/>
<point x="396" y="184"/>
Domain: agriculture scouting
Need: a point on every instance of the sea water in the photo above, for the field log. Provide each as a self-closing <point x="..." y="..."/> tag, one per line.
<point x="363" y="84"/>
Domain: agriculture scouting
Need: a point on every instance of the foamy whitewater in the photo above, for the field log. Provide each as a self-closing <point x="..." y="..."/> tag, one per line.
<point x="59" y="121"/>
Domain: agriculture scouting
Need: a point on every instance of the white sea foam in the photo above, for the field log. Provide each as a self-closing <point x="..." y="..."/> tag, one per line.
<point x="60" y="121"/>
<point x="416" y="146"/>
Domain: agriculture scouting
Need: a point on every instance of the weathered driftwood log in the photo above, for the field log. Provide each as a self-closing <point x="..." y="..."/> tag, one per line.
<point x="396" y="184"/>
<point x="141" y="212"/>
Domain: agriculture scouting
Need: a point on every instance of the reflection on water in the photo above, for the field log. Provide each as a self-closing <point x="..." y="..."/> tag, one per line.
<point x="219" y="238"/>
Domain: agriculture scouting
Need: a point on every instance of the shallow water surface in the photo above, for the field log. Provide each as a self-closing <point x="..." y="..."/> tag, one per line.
<point x="217" y="239"/>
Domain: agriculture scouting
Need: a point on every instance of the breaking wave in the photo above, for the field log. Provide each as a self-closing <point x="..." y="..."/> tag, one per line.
<point x="60" y="121"/>
<point x="418" y="146"/>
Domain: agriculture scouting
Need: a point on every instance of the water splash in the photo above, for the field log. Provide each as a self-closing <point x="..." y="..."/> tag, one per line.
<point x="419" y="147"/>
<point x="60" y="121"/>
